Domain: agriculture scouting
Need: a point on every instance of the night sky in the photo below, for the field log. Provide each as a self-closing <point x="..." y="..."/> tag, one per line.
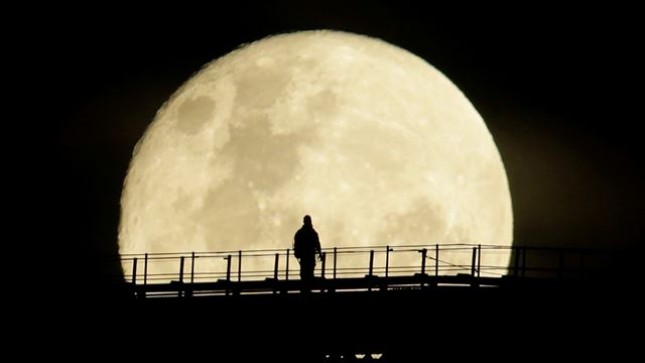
<point x="556" y="88"/>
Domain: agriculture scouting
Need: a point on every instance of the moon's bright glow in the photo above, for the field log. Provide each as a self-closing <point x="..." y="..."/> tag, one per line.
<point x="370" y="140"/>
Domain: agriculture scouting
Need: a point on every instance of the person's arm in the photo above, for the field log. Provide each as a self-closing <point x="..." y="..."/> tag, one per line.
<point x="318" y="249"/>
<point x="295" y="241"/>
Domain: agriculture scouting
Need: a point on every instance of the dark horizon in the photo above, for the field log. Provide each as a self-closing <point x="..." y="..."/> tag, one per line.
<point x="554" y="89"/>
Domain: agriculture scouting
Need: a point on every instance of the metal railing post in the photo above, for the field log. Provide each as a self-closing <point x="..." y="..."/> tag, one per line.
<point x="134" y="271"/>
<point x="473" y="262"/>
<point x="322" y="272"/>
<point x="371" y="262"/>
<point x="192" y="267"/>
<point x="275" y="266"/>
<point x="181" y="277"/>
<point x="436" y="259"/>
<point x="228" y="268"/>
<point x="145" y="269"/>
<point x="181" y="269"/>
<point x="275" y="273"/>
<point x="387" y="261"/>
<point x="479" y="260"/>
<point x="228" y="274"/>
<point x="424" y="254"/>
<point x="239" y="266"/>
<point x="286" y="273"/>
<point x="335" y="256"/>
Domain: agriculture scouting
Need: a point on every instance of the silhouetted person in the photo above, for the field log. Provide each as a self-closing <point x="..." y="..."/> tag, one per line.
<point x="306" y="246"/>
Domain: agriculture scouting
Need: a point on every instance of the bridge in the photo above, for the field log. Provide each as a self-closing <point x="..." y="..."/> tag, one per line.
<point x="381" y="268"/>
<point x="377" y="303"/>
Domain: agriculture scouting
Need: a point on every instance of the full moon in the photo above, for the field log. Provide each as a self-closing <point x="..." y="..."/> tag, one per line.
<point x="370" y="140"/>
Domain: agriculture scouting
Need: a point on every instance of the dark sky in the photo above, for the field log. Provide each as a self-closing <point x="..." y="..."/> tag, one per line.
<point x="556" y="87"/>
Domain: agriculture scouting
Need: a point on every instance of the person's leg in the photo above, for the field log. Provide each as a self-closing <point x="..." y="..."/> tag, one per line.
<point x="303" y="270"/>
<point x="307" y="273"/>
<point x="307" y="269"/>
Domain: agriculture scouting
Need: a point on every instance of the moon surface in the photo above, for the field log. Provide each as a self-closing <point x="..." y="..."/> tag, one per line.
<point x="370" y="140"/>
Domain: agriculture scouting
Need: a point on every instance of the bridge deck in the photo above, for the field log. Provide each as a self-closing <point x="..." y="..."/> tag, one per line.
<point x="322" y="285"/>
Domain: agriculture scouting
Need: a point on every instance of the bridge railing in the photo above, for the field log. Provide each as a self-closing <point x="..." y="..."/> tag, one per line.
<point x="352" y="262"/>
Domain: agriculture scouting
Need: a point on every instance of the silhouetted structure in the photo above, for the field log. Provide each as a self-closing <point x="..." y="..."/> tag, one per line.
<point x="306" y="246"/>
<point x="375" y="308"/>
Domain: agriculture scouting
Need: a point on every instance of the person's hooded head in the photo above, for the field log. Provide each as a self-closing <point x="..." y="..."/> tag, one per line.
<point x="307" y="221"/>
